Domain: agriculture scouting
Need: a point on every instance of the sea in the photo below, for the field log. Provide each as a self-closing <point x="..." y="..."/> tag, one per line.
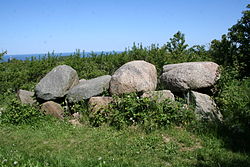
<point x="8" y="57"/>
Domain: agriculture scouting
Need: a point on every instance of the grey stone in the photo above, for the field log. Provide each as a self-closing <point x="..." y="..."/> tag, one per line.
<point x="159" y="96"/>
<point x="134" y="76"/>
<point x="205" y="107"/>
<point x="26" y="97"/>
<point x="82" y="80"/>
<point x="89" y="88"/>
<point x="56" y="83"/>
<point x="52" y="108"/>
<point x="190" y="76"/>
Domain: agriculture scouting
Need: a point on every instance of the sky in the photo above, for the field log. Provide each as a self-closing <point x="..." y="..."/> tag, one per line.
<point x="41" y="26"/>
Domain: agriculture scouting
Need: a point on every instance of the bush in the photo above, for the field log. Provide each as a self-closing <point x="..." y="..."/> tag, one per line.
<point x="234" y="103"/>
<point x="17" y="113"/>
<point x="130" y="110"/>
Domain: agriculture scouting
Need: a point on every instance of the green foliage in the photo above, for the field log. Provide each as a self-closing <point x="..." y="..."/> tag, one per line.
<point x="177" y="50"/>
<point x="239" y="34"/>
<point x="81" y="107"/>
<point x="223" y="51"/>
<point x="233" y="100"/>
<point x="177" y="46"/>
<point x="235" y="46"/>
<point x="130" y="110"/>
<point x="2" y="54"/>
<point x="198" y="53"/>
<point x="234" y="103"/>
<point x="17" y="113"/>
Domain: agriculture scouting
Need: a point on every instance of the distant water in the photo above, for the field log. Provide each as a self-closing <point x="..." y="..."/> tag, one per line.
<point x="28" y="56"/>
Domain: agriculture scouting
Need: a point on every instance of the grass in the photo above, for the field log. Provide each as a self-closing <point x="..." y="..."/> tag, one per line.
<point x="56" y="143"/>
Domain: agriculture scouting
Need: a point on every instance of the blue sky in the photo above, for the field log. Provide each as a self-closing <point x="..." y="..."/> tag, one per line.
<point x="40" y="26"/>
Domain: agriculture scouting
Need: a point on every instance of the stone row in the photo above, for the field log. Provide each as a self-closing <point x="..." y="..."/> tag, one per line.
<point x="62" y="82"/>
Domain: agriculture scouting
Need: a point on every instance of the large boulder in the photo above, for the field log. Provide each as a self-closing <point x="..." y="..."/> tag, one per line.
<point x="53" y="109"/>
<point x="88" y="88"/>
<point x="134" y="76"/>
<point x="26" y="97"/>
<point x="159" y="96"/>
<point x="190" y="76"/>
<point x="205" y="107"/>
<point x="56" y="83"/>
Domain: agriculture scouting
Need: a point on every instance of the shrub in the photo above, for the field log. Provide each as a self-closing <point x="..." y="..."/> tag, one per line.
<point x="234" y="103"/>
<point x="17" y="113"/>
<point x="132" y="110"/>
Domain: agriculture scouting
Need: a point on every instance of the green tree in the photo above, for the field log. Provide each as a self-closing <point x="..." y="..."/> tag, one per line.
<point x="177" y="50"/>
<point x="198" y="53"/>
<point x="176" y="47"/>
<point x="234" y="48"/>
<point x="239" y="34"/>
<point x="2" y="54"/>
<point x="223" y="51"/>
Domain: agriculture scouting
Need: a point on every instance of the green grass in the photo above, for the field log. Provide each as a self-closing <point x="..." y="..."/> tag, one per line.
<point x="56" y="143"/>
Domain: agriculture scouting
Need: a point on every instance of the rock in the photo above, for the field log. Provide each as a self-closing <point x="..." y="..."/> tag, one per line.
<point x="159" y="96"/>
<point x="190" y="76"/>
<point x="76" y="119"/>
<point x="134" y="76"/>
<point x="56" y="83"/>
<point x="89" y="88"/>
<point x="26" y="97"/>
<point x="205" y="107"/>
<point x="75" y="122"/>
<point x="52" y="108"/>
<point x="76" y="115"/>
<point x="82" y="80"/>
<point x="98" y="103"/>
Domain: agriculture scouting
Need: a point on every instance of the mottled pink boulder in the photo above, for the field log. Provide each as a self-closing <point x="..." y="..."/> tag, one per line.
<point x="190" y="76"/>
<point x="134" y="76"/>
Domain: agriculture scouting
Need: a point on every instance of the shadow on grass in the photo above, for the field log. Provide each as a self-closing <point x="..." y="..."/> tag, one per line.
<point x="217" y="162"/>
<point x="236" y="141"/>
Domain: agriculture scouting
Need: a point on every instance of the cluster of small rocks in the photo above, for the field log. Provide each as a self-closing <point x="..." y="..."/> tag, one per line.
<point x="62" y="82"/>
